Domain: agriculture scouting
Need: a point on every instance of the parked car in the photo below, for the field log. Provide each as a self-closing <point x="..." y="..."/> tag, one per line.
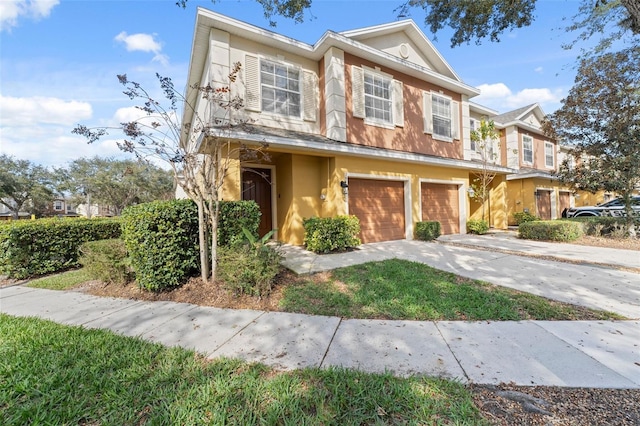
<point x="613" y="208"/>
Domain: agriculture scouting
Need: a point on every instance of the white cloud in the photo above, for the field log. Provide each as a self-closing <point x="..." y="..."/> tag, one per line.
<point x="12" y="10"/>
<point x="539" y="70"/>
<point x="143" y="43"/>
<point x="35" y="110"/>
<point x="499" y="96"/>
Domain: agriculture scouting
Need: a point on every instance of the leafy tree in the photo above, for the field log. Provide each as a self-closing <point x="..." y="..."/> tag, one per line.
<point x="479" y="19"/>
<point x="600" y="118"/>
<point x="158" y="134"/>
<point x="24" y="186"/>
<point x="486" y="139"/>
<point x="293" y="9"/>
<point x="116" y="183"/>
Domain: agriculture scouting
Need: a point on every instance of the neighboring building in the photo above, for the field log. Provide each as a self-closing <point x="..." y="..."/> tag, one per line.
<point x="95" y="210"/>
<point x="60" y="207"/>
<point x="7" y="214"/>
<point x="534" y="188"/>
<point x="371" y="122"/>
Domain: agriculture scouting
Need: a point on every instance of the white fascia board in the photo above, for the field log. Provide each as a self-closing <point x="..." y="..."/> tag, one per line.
<point x="360" y="151"/>
<point x="531" y="175"/>
<point x="482" y="109"/>
<point x="523" y="125"/>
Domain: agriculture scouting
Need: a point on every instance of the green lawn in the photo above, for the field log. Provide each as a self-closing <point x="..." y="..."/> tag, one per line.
<point x="399" y="289"/>
<point x="61" y="281"/>
<point x="59" y="375"/>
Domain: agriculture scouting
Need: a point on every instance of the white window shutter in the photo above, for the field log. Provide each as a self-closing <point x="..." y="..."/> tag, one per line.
<point x="455" y="120"/>
<point x="310" y="93"/>
<point x="252" y="83"/>
<point x="428" y="117"/>
<point x="398" y="104"/>
<point x="357" y="83"/>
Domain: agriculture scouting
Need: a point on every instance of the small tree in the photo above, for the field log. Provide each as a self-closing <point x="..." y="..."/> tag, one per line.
<point x="158" y="135"/>
<point x="24" y="186"/>
<point x="486" y="140"/>
<point x="600" y="118"/>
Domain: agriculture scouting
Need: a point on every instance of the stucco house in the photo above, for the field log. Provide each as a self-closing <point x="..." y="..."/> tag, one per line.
<point x="371" y="122"/>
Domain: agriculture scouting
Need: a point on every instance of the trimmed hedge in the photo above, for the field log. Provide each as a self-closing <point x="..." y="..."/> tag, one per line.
<point x="477" y="226"/>
<point x="161" y="238"/>
<point x="249" y="268"/>
<point x="428" y="230"/>
<point x="106" y="260"/>
<point x="523" y="217"/>
<point x="331" y="234"/>
<point x="551" y="230"/>
<point x="36" y="247"/>
<point x="235" y="215"/>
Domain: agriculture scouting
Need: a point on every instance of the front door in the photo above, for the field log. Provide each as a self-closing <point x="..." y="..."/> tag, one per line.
<point x="256" y="186"/>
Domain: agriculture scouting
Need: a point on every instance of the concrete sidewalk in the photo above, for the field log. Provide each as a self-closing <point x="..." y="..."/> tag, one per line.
<point x="563" y="353"/>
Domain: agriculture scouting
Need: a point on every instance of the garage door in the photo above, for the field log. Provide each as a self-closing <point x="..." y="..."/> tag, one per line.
<point x="440" y="202"/>
<point x="543" y="201"/>
<point x="564" y="199"/>
<point x="379" y="204"/>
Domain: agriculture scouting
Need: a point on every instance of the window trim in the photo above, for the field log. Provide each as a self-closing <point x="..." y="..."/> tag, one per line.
<point x="390" y="102"/>
<point x="452" y="120"/>
<point x="548" y="144"/>
<point x="300" y="91"/>
<point x="58" y="206"/>
<point x="524" y="160"/>
<point x="473" y="124"/>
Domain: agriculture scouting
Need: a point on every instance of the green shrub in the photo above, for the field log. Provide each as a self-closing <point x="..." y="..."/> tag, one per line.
<point x="106" y="260"/>
<point x="603" y="226"/>
<point x="477" y="226"/>
<point x="331" y="234"/>
<point x="36" y="247"/>
<point x="234" y="216"/>
<point x="523" y="217"/>
<point x="551" y="230"/>
<point x="250" y="267"/>
<point x="161" y="239"/>
<point x="428" y="230"/>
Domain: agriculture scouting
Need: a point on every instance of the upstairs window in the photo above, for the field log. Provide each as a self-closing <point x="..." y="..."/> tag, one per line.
<point x="441" y="117"/>
<point x="548" y="155"/>
<point x="527" y="149"/>
<point x="57" y="205"/>
<point x="473" y="126"/>
<point x="377" y="97"/>
<point x="280" y="88"/>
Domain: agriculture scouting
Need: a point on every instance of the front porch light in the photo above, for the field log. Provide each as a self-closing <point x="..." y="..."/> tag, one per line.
<point x="471" y="192"/>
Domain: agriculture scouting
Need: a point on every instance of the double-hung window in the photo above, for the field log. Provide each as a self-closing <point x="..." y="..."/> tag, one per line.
<point x="276" y="87"/>
<point x="548" y="154"/>
<point x="441" y="110"/>
<point x="280" y="88"/>
<point x="441" y="116"/>
<point x="377" y="98"/>
<point x="527" y="149"/>
<point x="473" y="126"/>
<point x="57" y="205"/>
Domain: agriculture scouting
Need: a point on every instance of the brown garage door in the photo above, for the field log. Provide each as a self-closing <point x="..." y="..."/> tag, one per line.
<point x="564" y="199"/>
<point x="440" y="202"/>
<point x="543" y="202"/>
<point x="379" y="204"/>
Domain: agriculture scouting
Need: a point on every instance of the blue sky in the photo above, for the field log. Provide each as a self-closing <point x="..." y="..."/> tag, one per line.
<point x="59" y="60"/>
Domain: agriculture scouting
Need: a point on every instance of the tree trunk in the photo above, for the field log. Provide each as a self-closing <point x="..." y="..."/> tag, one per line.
<point x="203" y="242"/>
<point x="633" y="7"/>
<point x="215" y="212"/>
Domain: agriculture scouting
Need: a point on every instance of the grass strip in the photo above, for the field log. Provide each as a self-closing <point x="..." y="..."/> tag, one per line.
<point x="402" y="290"/>
<point x="55" y="374"/>
<point x="61" y="281"/>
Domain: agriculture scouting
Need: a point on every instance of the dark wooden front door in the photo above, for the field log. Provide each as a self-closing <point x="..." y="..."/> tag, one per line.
<point x="256" y="186"/>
